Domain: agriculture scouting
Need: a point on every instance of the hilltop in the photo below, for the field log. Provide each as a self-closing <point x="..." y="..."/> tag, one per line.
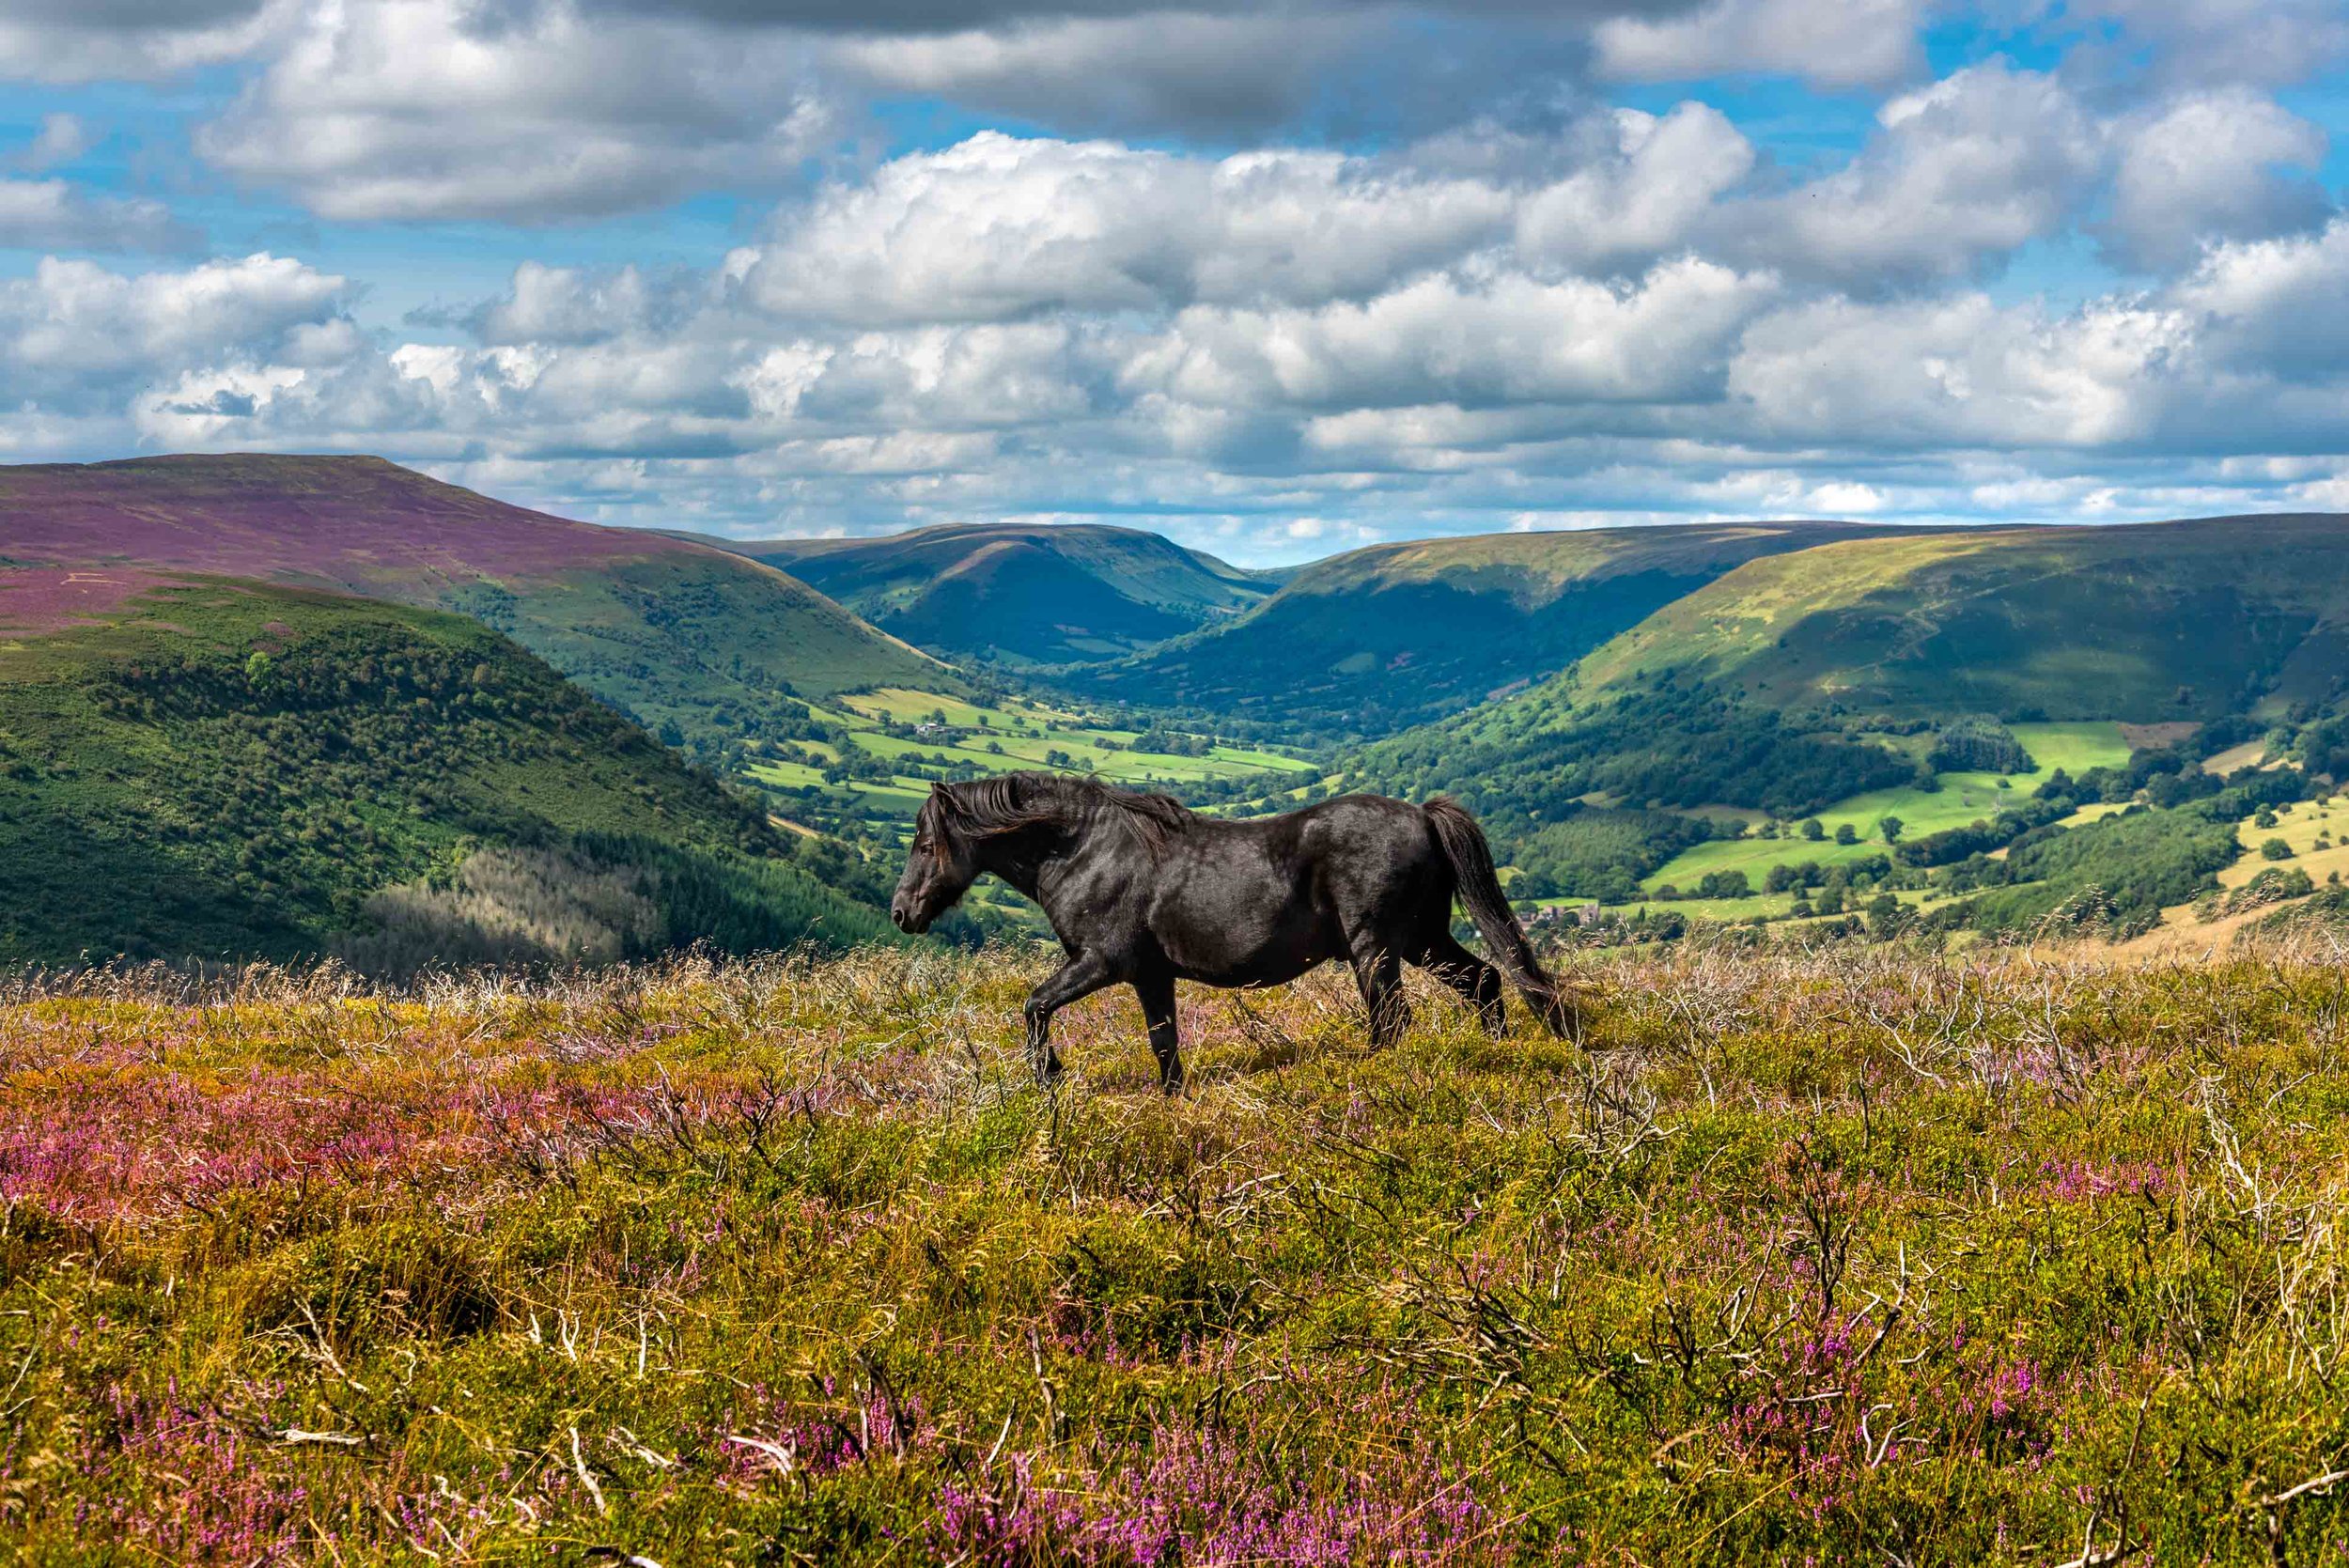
<point x="1379" y="639"/>
<point x="2163" y="621"/>
<point x="705" y="647"/>
<point x="1981" y="691"/>
<point x="2158" y="623"/>
<point x="215" y="768"/>
<point x="1024" y="594"/>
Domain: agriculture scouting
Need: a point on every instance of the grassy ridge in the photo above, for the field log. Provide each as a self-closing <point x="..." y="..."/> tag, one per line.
<point x="1372" y="641"/>
<point x="1024" y="594"/>
<point x="234" y="770"/>
<point x="2147" y="622"/>
<point x="698" y="645"/>
<point x="704" y="651"/>
<point x="1816" y="1258"/>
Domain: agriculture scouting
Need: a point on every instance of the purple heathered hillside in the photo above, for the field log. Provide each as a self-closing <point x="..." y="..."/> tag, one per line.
<point x="358" y="523"/>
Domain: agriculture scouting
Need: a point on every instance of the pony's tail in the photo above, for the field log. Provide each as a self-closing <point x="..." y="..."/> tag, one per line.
<point x="1463" y="844"/>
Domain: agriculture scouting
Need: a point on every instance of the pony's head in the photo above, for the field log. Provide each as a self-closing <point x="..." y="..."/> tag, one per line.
<point x="940" y="867"/>
<point x="1005" y="824"/>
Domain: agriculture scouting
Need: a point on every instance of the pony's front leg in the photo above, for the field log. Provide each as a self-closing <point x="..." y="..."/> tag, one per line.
<point x="1074" y="981"/>
<point x="1157" y="1009"/>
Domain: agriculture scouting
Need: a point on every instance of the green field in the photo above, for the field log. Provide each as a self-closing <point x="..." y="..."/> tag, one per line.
<point x="1766" y="906"/>
<point x="1016" y="732"/>
<point x="1962" y="799"/>
<point x="2075" y="747"/>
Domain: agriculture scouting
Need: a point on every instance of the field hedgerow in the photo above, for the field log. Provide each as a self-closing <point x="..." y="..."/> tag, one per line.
<point x="1853" y="1256"/>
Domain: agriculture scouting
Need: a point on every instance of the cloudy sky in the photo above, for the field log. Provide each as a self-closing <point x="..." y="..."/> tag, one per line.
<point x="1274" y="278"/>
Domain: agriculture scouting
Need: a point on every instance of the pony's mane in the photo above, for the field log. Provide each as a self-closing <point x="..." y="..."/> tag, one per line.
<point x="1010" y="801"/>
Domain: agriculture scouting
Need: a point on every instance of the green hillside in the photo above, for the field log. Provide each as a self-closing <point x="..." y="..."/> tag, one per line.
<point x="1024" y="595"/>
<point x="1914" y="703"/>
<point x="2153" y="622"/>
<point x="1782" y="685"/>
<point x="1377" y="640"/>
<point x="704" y="647"/>
<point x="218" y="768"/>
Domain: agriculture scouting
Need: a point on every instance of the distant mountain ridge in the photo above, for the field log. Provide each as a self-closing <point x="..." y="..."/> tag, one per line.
<point x="2181" y="620"/>
<point x="1771" y="686"/>
<point x="702" y="644"/>
<point x="1379" y="639"/>
<point x="1028" y="594"/>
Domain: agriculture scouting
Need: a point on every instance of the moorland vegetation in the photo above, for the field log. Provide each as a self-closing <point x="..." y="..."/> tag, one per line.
<point x="1835" y="1254"/>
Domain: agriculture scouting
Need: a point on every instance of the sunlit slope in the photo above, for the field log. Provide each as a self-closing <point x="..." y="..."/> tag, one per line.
<point x="1026" y="592"/>
<point x="1800" y="680"/>
<point x="2148" y="622"/>
<point x="1377" y="638"/>
<point x="671" y="632"/>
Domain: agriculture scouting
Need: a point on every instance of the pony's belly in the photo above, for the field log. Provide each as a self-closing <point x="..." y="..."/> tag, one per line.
<point x="1261" y="971"/>
<point x="1242" y="952"/>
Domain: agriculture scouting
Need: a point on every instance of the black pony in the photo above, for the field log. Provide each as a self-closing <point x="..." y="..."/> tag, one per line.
<point x="1142" y="891"/>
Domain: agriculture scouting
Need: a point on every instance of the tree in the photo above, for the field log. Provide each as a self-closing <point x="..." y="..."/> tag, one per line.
<point x="1884" y="915"/>
<point x="1891" y="828"/>
<point x="2275" y="850"/>
<point x="1813" y="830"/>
<point x="1846" y="833"/>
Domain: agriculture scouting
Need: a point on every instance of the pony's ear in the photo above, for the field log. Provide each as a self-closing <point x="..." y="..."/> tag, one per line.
<point x="938" y="789"/>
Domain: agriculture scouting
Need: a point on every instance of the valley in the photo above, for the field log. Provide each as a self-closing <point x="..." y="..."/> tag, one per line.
<point x="1836" y="728"/>
<point x="885" y="748"/>
<point x="1375" y="640"/>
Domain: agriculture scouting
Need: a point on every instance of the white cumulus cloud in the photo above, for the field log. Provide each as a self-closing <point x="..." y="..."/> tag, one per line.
<point x="405" y="109"/>
<point x="2213" y="166"/>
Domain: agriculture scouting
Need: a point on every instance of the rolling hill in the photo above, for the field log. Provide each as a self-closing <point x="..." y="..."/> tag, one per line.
<point x="1027" y="595"/>
<point x="2147" y="622"/>
<point x="1813" y="684"/>
<point x="197" y="767"/>
<point x="705" y="647"/>
<point x="1377" y="640"/>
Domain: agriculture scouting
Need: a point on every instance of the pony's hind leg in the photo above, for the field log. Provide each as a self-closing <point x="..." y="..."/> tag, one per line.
<point x="1157" y="1007"/>
<point x="1478" y="982"/>
<point x="1380" y="974"/>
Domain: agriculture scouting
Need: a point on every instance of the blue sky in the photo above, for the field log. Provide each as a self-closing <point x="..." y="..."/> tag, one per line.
<point x="1277" y="280"/>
